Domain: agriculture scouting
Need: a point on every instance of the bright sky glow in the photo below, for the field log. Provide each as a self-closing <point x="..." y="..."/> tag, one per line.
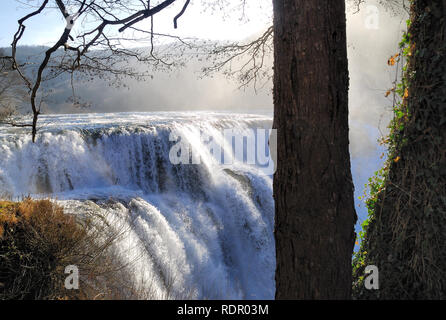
<point x="197" y="22"/>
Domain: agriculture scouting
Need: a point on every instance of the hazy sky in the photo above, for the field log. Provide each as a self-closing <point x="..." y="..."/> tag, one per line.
<point x="200" y="21"/>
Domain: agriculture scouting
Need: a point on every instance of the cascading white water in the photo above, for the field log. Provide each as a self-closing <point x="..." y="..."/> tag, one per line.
<point x="199" y="230"/>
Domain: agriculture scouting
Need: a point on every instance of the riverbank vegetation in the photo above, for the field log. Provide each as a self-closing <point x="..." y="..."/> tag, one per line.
<point x="38" y="241"/>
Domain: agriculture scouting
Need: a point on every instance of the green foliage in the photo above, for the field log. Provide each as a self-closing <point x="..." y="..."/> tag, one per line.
<point x="405" y="232"/>
<point x="376" y="183"/>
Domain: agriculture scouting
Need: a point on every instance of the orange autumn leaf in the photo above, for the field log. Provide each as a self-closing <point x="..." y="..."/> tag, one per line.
<point x="388" y="92"/>
<point x="397" y="159"/>
<point x="406" y="93"/>
<point x="392" y="60"/>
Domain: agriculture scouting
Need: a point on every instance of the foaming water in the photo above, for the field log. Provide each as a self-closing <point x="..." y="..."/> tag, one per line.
<point x="197" y="230"/>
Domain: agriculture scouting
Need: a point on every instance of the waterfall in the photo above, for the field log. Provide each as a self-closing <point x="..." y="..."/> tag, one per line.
<point x="201" y="230"/>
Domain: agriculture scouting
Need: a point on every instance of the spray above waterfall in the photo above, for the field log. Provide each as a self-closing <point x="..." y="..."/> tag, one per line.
<point x="196" y="230"/>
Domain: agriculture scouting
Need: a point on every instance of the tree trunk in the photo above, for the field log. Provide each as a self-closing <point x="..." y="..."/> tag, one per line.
<point x="406" y="236"/>
<point x="313" y="189"/>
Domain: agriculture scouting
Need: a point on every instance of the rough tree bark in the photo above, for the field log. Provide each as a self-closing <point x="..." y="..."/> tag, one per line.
<point x="406" y="236"/>
<point x="313" y="187"/>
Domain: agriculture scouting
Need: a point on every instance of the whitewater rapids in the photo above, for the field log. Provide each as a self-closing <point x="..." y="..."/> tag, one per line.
<point x="199" y="231"/>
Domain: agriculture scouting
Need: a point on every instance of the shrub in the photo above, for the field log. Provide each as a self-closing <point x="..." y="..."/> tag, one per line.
<point x="38" y="240"/>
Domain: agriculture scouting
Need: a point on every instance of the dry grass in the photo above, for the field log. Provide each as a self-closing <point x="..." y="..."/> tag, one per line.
<point x="38" y="240"/>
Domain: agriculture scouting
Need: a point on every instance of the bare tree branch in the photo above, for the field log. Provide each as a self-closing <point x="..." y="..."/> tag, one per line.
<point x="180" y="14"/>
<point x="106" y="13"/>
<point x="249" y="62"/>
